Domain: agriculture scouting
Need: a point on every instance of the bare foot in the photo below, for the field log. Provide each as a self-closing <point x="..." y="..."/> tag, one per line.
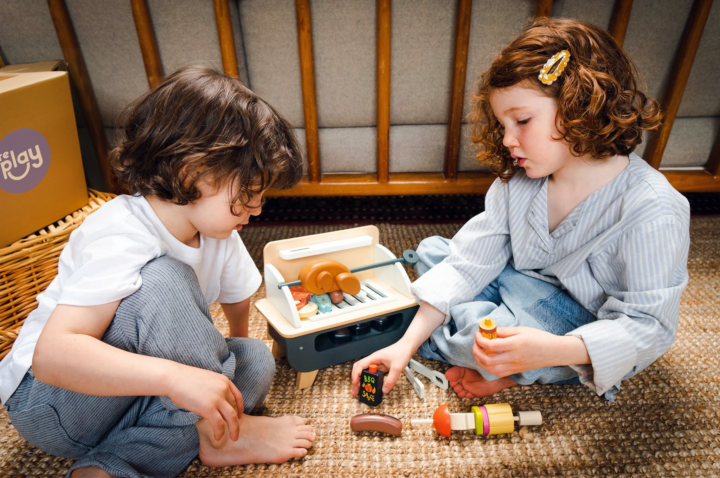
<point x="262" y="440"/>
<point x="468" y="383"/>
<point x="90" y="472"/>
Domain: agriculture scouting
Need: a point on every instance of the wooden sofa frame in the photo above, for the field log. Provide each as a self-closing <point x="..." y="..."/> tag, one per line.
<point x="450" y="181"/>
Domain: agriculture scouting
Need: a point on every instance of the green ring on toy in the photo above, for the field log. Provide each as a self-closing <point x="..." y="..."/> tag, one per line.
<point x="478" y="420"/>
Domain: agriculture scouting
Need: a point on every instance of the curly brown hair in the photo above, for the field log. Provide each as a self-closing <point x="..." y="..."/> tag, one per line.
<point x="200" y="124"/>
<point x="601" y="112"/>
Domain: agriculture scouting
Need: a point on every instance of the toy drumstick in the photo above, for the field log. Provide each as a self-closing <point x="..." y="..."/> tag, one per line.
<point x="488" y="329"/>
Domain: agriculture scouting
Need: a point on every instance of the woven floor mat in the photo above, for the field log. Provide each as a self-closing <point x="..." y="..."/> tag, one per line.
<point x="665" y="421"/>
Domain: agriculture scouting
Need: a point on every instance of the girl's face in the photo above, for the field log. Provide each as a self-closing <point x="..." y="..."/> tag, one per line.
<point x="530" y="129"/>
<point x="211" y="215"/>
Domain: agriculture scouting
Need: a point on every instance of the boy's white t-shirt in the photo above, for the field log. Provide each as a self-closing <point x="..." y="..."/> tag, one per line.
<point x="101" y="263"/>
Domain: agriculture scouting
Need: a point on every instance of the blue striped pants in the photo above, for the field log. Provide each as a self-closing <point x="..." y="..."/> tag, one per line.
<point x="511" y="300"/>
<point x="143" y="436"/>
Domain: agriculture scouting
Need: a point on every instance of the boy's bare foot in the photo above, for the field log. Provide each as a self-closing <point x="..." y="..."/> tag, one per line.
<point x="90" y="472"/>
<point x="468" y="383"/>
<point x="262" y="440"/>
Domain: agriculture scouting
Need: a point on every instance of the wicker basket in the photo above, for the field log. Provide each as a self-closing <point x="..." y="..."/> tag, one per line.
<point x="28" y="266"/>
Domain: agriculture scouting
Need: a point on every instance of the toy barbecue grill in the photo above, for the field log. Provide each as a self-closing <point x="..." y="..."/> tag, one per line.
<point x="373" y="311"/>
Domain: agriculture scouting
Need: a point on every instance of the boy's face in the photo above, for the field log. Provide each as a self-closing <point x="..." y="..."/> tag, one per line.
<point x="211" y="214"/>
<point x="529" y="119"/>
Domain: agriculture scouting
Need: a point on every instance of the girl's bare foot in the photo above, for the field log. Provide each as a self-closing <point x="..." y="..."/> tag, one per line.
<point x="262" y="440"/>
<point x="90" y="472"/>
<point x="468" y="383"/>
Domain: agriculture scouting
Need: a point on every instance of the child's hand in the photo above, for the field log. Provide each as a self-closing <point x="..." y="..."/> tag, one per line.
<point x="211" y="395"/>
<point x="526" y="348"/>
<point x="392" y="360"/>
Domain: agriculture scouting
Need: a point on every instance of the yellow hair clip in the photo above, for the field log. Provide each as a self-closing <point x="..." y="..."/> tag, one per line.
<point x="563" y="56"/>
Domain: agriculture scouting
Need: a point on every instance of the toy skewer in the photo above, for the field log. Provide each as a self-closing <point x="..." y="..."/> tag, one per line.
<point x="409" y="258"/>
<point x="492" y="419"/>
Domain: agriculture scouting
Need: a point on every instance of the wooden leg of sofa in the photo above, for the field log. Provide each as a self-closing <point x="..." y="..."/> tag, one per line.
<point x="277" y="351"/>
<point x="305" y="379"/>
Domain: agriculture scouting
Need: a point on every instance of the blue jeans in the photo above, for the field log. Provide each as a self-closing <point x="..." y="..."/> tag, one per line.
<point x="511" y="300"/>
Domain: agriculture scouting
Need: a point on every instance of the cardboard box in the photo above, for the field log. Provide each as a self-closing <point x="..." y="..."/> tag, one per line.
<point x="41" y="172"/>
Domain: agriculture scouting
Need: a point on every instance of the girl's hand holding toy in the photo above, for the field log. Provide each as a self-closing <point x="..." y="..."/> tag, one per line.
<point x="396" y="357"/>
<point x="526" y="348"/>
<point x="392" y="360"/>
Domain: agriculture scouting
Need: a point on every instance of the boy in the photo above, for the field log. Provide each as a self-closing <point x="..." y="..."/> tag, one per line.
<point x="128" y="374"/>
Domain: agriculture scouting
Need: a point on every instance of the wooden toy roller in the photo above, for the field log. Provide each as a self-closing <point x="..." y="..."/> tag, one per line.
<point x="326" y="275"/>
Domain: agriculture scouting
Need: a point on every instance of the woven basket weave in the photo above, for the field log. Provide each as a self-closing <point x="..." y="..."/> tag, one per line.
<point x="28" y="266"/>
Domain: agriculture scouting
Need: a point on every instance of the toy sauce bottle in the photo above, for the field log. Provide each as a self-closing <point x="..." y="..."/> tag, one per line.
<point x="488" y="329"/>
<point x="371" y="384"/>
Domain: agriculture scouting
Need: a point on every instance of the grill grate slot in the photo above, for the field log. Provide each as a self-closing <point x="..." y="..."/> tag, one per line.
<point x="370" y="294"/>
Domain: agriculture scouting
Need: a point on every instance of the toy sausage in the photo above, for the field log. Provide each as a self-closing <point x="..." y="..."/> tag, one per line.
<point x="376" y="422"/>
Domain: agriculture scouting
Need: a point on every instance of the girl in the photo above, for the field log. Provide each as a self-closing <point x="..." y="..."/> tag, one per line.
<point x="581" y="254"/>
<point x="128" y="374"/>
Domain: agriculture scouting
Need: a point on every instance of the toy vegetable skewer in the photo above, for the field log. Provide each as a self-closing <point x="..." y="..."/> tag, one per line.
<point x="326" y="275"/>
<point x="490" y="419"/>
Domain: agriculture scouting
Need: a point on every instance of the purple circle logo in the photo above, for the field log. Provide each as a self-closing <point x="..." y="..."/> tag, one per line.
<point x="24" y="160"/>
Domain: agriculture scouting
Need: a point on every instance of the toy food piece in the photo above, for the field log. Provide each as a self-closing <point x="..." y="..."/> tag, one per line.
<point x="308" y="311"/>
<point x="323" y="302"/>
<point x="300" y="295"/>
<point x="488" y="329"/>
<point x="492" y="419"/>
<point x="376" y="422"/>
<point x="336" y="296"/>
<point x="326" y="275"/>
<point x="371" y="383"/>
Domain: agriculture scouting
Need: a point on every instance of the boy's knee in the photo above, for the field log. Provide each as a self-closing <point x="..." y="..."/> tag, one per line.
<point x="165" y="279"/>
<point x="164" y="272"/>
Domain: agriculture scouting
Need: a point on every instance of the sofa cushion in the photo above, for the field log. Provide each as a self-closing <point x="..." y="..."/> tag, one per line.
<point x="689" y="144"/>
<point x="423" y="43"/>
<point x="269" y="30"/>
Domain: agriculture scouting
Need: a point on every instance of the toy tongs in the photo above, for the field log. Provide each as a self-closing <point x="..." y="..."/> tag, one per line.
<point x="435" y="377"/>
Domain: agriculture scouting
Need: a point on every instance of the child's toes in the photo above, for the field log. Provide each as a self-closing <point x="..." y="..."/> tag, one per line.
<point x="307" y="435"/>
<point x="454" y="374"/>
<point x="299" y="421"/>
<point x="299" y="452"/>
<point x="303" y="443"/>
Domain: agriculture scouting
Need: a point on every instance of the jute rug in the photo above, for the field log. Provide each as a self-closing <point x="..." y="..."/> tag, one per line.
<point x="665" y="421"/>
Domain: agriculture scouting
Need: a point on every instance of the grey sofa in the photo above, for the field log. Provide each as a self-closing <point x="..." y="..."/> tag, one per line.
<point x="345" y="55"/>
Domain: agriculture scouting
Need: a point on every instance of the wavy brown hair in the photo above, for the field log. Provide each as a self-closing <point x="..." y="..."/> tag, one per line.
<point x="601" y="112"/>
<point x="200" y="124"/>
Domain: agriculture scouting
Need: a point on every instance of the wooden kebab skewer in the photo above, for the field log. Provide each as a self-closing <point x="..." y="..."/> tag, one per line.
<point x="336" y="271"/>
<point x="491" y="419"/>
